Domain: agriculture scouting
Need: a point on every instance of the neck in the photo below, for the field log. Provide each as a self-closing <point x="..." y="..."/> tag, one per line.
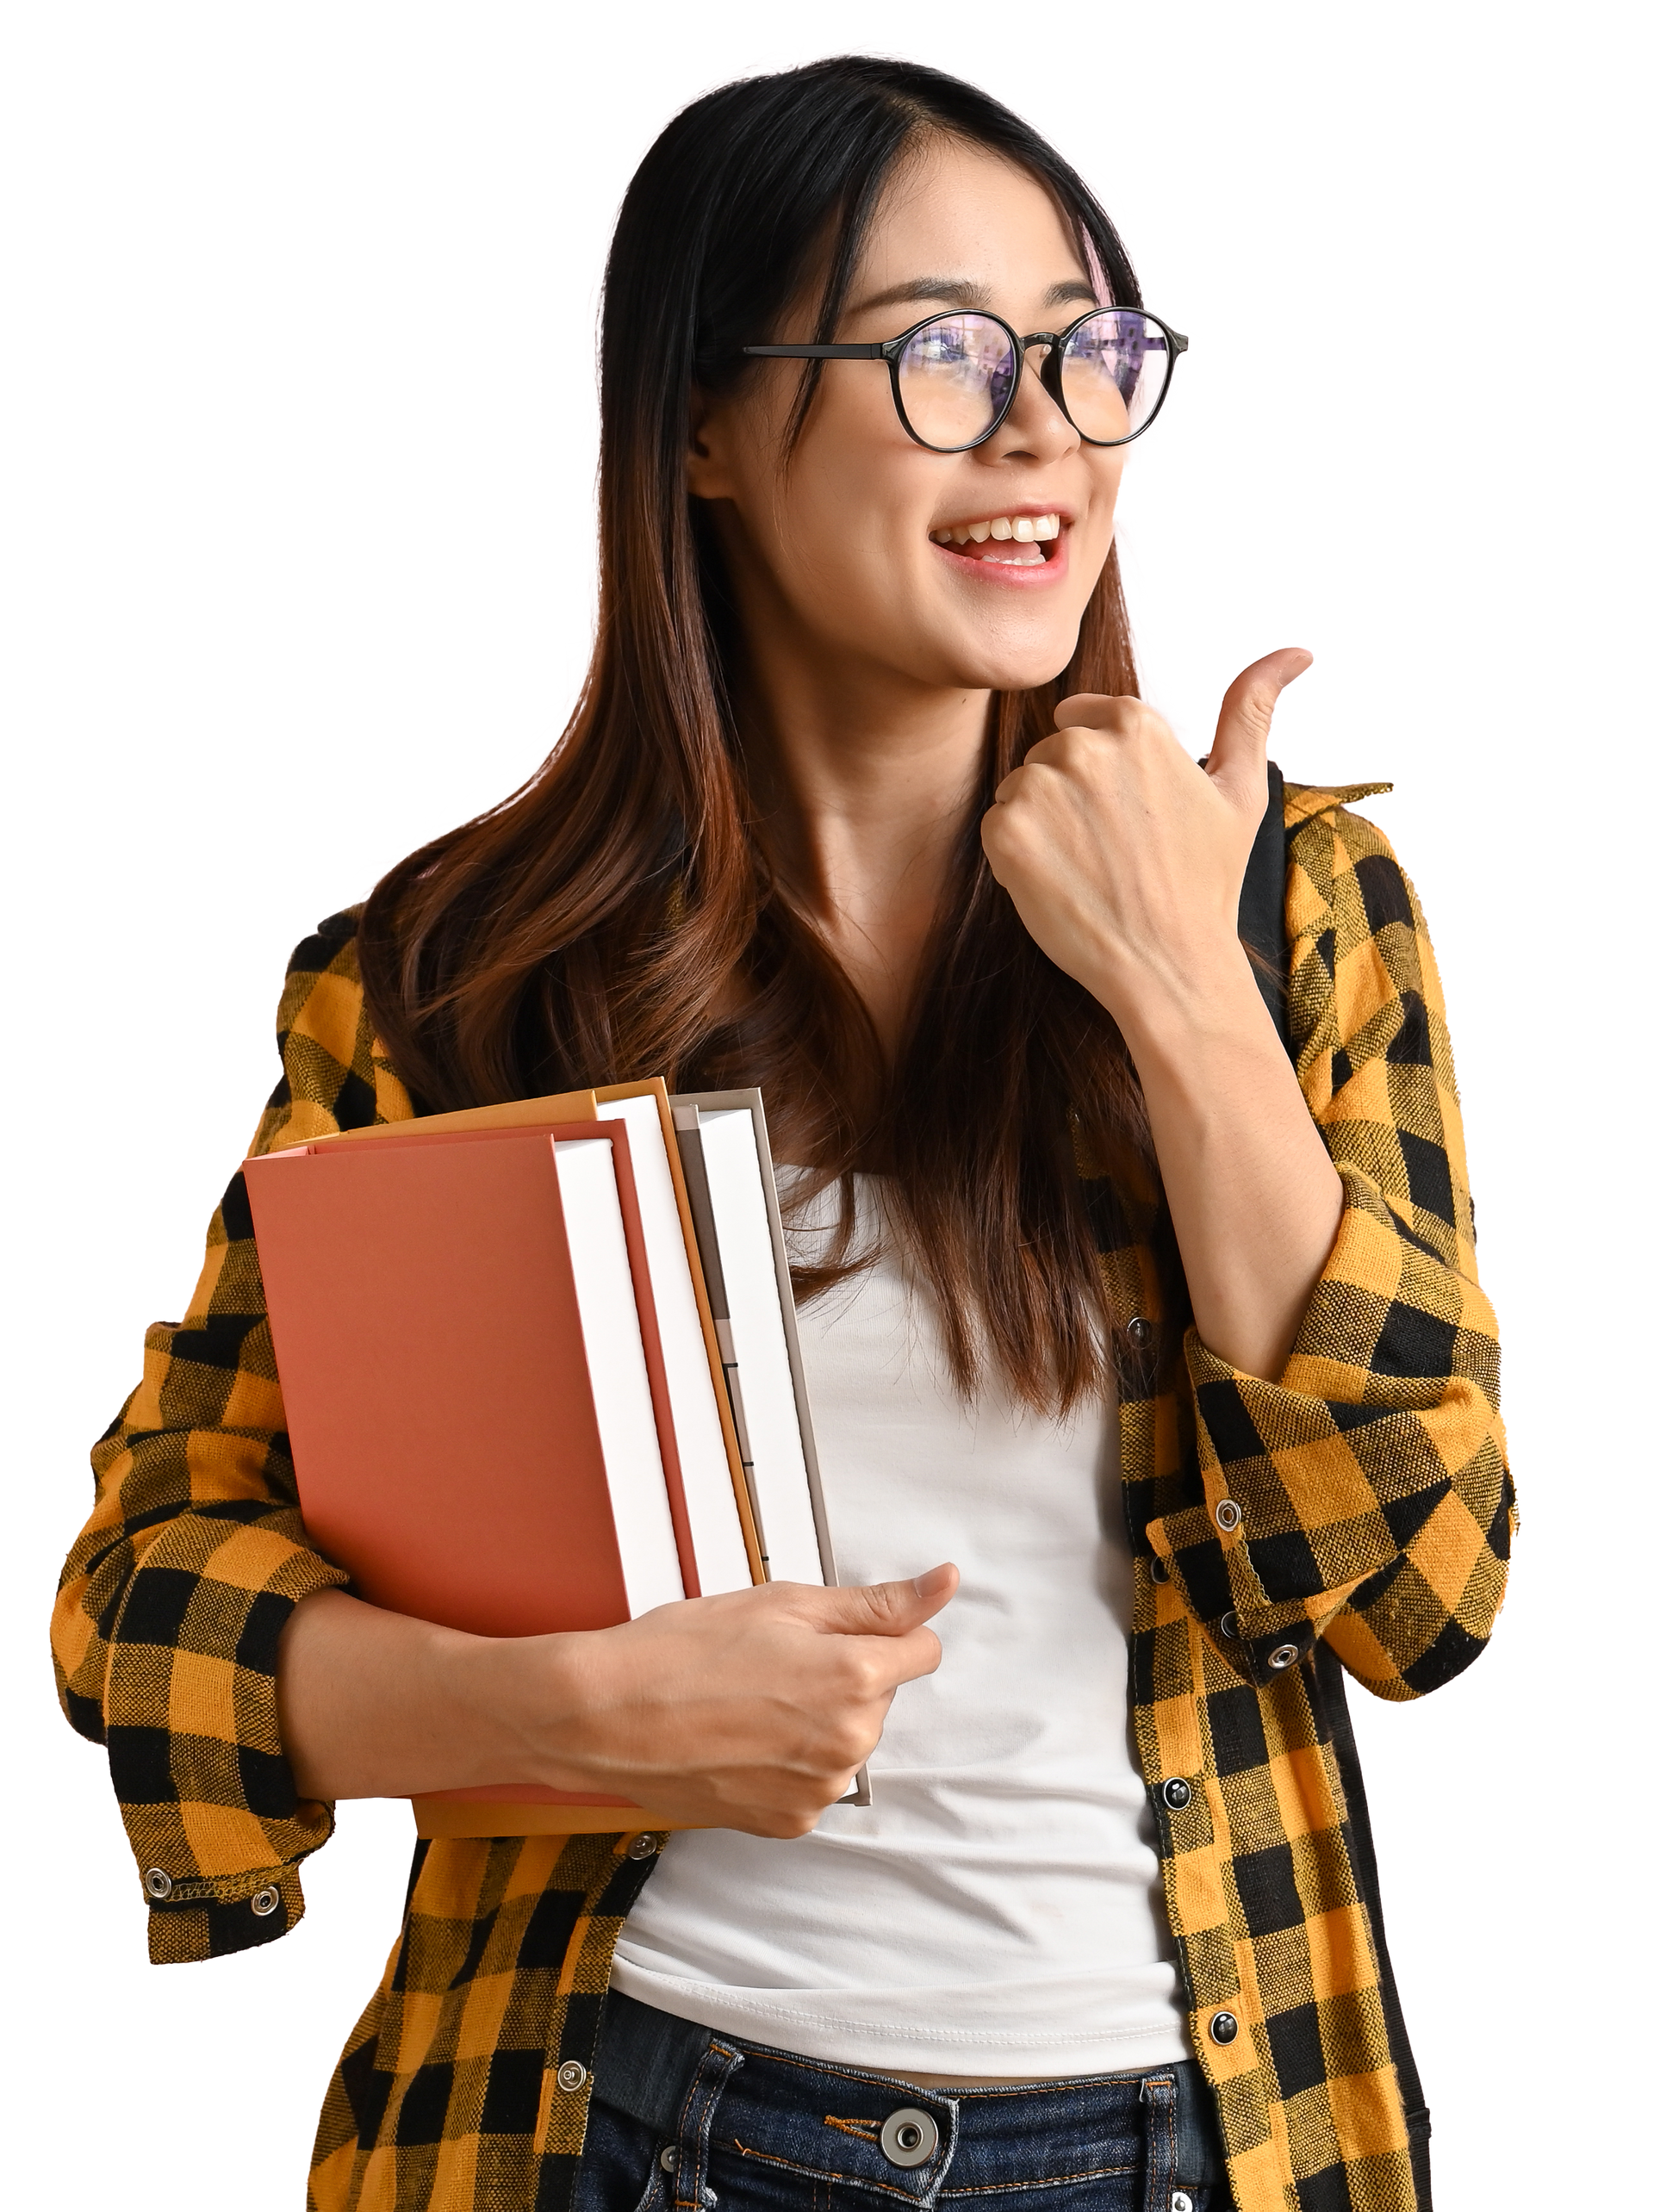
<point x="864" y="784"/>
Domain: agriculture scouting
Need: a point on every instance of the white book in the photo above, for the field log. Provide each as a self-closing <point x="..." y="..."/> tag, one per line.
<point x="619" y="1372"/>
<point x="714" y="1518"/>
<point x="724" y="1147"/>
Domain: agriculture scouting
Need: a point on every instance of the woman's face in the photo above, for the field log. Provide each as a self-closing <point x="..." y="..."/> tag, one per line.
<point x="845" y="555"/>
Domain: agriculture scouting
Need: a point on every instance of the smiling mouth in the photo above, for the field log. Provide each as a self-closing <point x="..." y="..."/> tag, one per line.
<point x="1010" y="541"/>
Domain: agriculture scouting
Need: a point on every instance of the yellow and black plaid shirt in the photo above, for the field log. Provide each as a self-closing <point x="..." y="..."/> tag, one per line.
<point x="1355" y="1515"/>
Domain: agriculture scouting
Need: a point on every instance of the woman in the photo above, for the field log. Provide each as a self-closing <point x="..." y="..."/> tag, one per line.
<point x="1170" y="1341"/>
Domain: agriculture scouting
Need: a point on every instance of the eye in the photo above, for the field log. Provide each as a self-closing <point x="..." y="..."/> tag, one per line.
<point x="939" y="348"/>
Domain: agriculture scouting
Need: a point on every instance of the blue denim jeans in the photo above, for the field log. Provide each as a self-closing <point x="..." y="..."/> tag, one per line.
<point x="684" y="2120"/>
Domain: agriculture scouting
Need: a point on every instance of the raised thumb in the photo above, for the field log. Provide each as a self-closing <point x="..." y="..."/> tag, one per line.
<point x="891" y="1608"/>
<point x="1237" y="758"/>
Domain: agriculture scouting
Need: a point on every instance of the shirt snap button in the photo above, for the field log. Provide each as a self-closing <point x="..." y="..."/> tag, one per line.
<point x="908" y="2137"/>
<point x="1226" y="1514"/>
<point x="158" y="1881"/>
<point x="1224" y="2027"/>
<point x="643" y="1847"/>
<point x="265" y="1902"/>
<point x="1140" y="1331"/>
<point x="571" y="2075"/>
<point x="1176" y="1792"/>
<point x="1283" y="1654"/>
<point x="1158" y="1570"/>
<point x="1229" y="1626"/>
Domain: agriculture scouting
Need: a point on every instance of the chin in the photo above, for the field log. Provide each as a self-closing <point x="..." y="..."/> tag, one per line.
<point x="1009" y="656"/>
<point x="1025" y="670"/>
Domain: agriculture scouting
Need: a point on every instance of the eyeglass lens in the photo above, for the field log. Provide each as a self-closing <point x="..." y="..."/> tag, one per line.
<point x="956" y="374"/>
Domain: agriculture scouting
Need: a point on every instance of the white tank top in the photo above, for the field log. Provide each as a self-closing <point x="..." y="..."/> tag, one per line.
<point x="996" y="1910"/>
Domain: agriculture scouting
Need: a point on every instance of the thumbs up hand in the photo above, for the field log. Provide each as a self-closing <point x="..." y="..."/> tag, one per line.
<point x="1126" y="863"/>
<point x="1124" y="860"/>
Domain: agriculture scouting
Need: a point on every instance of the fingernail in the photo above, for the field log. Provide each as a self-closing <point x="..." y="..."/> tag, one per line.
<point x="931" y="1581"/>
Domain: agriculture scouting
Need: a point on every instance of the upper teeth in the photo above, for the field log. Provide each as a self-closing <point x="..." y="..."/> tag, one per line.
<point x="1022" y="526"/>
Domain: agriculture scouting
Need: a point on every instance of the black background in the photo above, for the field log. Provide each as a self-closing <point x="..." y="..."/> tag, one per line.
<point x="303" y="573"/>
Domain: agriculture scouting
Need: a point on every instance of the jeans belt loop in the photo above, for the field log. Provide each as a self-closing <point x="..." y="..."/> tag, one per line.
<point x="1158" y="2095"/>
<point x="690" y="2188"/>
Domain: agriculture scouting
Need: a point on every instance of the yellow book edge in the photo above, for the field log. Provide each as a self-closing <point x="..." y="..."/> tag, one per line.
<point x="441" y="1816"/>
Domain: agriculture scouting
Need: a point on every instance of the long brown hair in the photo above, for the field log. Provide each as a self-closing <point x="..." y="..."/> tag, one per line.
<point x="602" y="922"/>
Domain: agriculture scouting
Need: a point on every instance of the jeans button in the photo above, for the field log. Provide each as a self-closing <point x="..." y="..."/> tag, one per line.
<point x="669" y="2159"/>
<point x="908" y="2137"/>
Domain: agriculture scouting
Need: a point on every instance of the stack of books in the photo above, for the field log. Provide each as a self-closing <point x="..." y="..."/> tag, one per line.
<point x="541" y="1372"/>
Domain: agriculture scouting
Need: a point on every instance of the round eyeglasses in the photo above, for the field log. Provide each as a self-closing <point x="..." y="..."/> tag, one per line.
<point x="954" y="378"/>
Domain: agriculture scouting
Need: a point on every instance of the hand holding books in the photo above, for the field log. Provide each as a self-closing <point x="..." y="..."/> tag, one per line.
<point x="542" y="1379"/>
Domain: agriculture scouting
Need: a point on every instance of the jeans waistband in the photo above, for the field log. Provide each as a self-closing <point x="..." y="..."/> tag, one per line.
<point x="646" y="2063"/>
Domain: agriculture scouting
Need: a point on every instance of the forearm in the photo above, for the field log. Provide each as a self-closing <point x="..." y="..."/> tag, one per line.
<point x="1255" y="1199"/>
<point x="374" y="1704"/>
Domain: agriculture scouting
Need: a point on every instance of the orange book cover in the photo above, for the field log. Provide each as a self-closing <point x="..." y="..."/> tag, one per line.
<point x="430" y="1348"/>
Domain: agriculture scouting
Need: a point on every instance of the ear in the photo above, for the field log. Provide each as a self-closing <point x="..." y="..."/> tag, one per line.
<point x="707" y="461"/>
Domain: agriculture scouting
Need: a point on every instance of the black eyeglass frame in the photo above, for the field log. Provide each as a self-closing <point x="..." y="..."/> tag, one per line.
<point x="890" y="351"/>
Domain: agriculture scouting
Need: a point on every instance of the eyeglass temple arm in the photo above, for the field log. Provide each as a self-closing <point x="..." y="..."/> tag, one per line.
<point x="821" y="352"/>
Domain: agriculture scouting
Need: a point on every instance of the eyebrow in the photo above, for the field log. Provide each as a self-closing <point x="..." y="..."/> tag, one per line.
<point x="964" y="292"/>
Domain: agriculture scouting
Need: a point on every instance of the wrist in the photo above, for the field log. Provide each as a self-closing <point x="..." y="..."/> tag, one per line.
<point x="528" y="1704"/>
<point x="1173" y="1007"/>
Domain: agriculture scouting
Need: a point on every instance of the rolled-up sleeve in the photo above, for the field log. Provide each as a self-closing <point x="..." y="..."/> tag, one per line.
<point x="173" y="1600"/>
<point x="1366" y="1495"/>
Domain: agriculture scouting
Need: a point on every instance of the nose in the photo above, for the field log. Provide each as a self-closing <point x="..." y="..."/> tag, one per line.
<point x="1035" y="427"/>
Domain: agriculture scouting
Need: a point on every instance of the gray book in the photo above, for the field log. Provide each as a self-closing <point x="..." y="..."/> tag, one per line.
<point x="723" y="1147"/>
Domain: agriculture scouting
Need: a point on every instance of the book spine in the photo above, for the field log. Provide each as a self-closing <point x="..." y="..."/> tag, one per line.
<point x="686" y="1126"/>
